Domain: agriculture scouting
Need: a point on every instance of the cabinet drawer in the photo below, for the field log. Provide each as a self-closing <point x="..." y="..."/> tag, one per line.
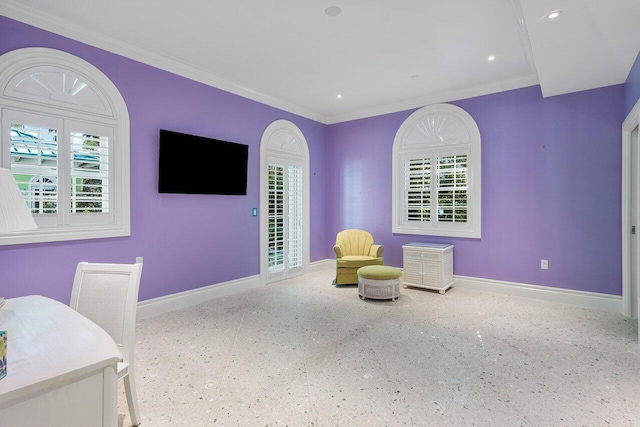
<point x="409" y="254"/>
<point x="423" y="256"/>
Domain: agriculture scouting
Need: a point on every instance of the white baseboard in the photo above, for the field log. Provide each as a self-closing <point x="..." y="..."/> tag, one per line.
<point x="613" y="303"/>
<point x="324" y="264"/>
<point x="584" y="299"/>
<point x="156" y="306"/>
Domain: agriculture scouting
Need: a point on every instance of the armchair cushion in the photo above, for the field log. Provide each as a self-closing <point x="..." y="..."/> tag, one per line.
<point x="353" y="261"/>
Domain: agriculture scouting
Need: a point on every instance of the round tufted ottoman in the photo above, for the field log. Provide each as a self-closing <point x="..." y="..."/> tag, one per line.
<point x="379" y="282"/>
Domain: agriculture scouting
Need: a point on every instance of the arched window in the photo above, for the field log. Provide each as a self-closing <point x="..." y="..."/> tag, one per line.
<point x="41" y="194"/>
<point x="65" y="137"/>
<point x="437" y="174"/>
<point x="284" y="198"/>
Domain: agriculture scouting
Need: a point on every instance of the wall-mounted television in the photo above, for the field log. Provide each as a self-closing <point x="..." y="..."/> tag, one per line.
<point x="191" y="164"/>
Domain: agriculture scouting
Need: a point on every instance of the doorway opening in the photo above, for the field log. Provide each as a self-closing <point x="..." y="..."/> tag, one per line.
<point x="630" y="212"/>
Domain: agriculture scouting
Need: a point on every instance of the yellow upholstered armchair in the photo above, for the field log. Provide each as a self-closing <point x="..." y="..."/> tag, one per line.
<point x="354" y="249"/>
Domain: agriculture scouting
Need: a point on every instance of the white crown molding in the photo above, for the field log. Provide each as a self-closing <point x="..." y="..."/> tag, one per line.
<point x="523" y="33"/>
<point x="469" y="92"/>
<point x="31" y="16"/>
<point x="447" y="96"/>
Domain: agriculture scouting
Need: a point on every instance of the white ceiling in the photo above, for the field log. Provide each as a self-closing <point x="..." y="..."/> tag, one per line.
<point x="381" y="55"/>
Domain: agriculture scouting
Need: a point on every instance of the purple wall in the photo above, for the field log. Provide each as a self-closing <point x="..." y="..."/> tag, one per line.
<point x="550" y="188"/>
<point x="187" y="241"/>
<point x="632" y="86"/>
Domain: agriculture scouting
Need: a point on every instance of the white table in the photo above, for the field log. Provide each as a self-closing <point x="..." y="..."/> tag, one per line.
<point x="61" y="367"/>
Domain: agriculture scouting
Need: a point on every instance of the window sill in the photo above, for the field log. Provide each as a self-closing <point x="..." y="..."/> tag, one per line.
<point x="44" y="235"/>
<point x="468" y="233"/>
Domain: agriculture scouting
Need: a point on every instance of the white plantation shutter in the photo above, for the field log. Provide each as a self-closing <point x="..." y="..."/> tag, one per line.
<point x="448" y="197"/>
<point x="34" y="164"/>
<point x="89" y="173"/>
<point x="276" y="218"/>
<point x="417" y="189"/>
<point x="285" y="249"/>
<point x="294" y="237"/>
<point x="38" y="145"/>
<point x="452" y="188"/>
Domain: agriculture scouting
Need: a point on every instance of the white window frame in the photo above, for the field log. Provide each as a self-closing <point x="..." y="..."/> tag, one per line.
<point x="437" y="130"/>
<point x="284" y="144"/>
<point x="105" y="114"/>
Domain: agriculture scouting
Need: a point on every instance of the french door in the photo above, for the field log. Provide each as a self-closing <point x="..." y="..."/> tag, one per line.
<point x="284" y="202"/>
<point x="285" y="224"/>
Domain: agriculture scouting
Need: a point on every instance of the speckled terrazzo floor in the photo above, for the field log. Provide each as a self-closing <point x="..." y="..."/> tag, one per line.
<point x="302" y="352"/>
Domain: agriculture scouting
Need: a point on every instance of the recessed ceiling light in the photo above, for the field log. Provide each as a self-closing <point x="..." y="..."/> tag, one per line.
<point x="554" y="14"/>
<point x="333" y="11"/>
<point x="491" y="58"/>
<point x="339" y="95"/>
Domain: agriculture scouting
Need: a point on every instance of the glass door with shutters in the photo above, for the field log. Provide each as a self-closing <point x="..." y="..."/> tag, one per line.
<point x="284" y="202"/>
<point x="285" y="220"/>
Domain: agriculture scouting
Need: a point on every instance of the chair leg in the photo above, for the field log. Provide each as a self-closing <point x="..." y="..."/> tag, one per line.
<point x="132" y="398"/>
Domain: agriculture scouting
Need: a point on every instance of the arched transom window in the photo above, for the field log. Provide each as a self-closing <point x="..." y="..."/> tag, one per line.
<point x="437" y="173"/>
<point x="65" y="137"/>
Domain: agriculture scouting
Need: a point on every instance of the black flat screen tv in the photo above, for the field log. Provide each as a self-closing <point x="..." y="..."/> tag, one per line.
<point x="192" y="164"/>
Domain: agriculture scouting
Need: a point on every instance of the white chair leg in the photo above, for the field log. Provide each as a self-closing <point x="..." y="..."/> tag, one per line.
<point x="132" y="398"/>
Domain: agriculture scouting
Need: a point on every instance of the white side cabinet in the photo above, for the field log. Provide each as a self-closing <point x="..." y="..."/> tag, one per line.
<point x="428" y="265"/>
